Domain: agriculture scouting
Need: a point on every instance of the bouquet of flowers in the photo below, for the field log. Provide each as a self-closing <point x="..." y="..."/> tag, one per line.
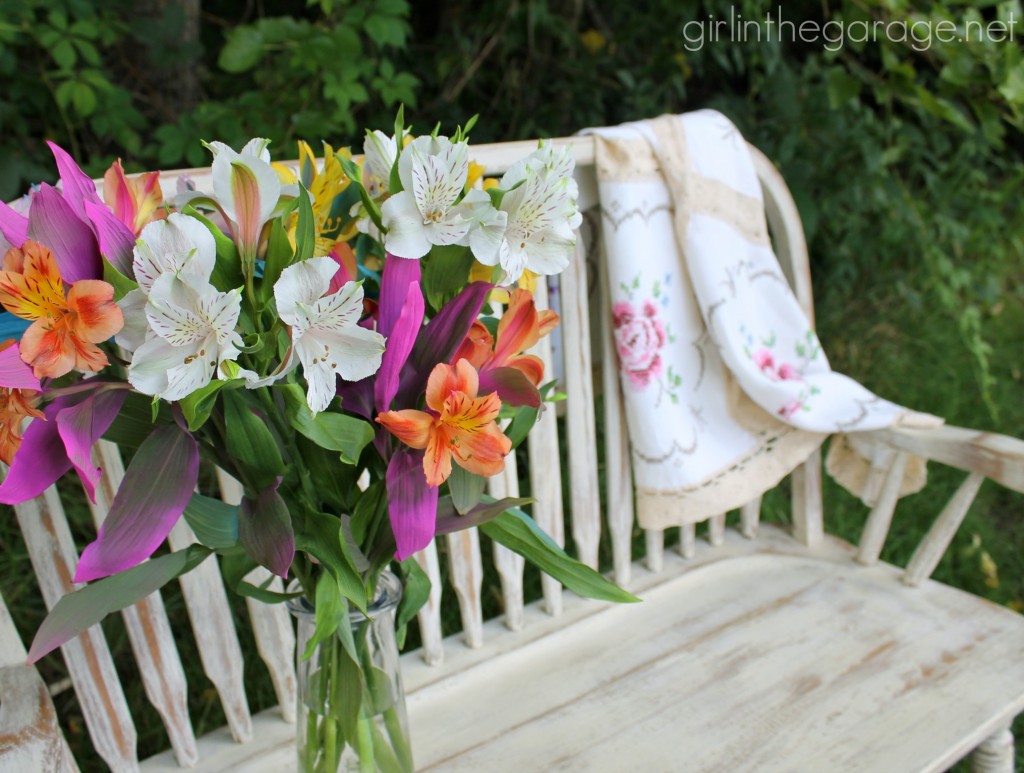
<point x="346" y="339"/>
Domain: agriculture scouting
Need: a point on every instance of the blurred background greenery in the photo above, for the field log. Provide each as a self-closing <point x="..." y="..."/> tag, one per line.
<point x="905" y="160"/>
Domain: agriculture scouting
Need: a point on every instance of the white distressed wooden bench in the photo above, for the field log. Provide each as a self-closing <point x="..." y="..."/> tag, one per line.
<point x="755" y="649"/>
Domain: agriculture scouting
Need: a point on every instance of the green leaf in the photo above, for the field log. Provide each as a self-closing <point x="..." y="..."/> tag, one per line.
<point x="235" y="565"/>
<point x="242" y="51"/>
<point x="842" y="87"/>
<point x="87" y="606"/>
<point x="519" y="532"/>
<point x="321" y="538"/>
<point x="334" y="431"/>
<point x="198" y="406"/>
<point x="214" y="522"/>
<point x="265" y="530"/>
<point x="64" y="54"/>
<point x="466" y="489"/>
<point x="279" y="256"/>
<point x="122" y="284"/>
<point x="522" y="422"/>
<point x="415" y="593"/>
<point x="328" y="607"/>
<point x="250" y="441"/>
<point x="134" y="422"/>
<point x="445" y="273"/>
<point x="449" y="519"/>
<point x="305" y="232"/>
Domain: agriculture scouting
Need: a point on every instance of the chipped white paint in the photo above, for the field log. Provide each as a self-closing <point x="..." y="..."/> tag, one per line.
<point x="429" y="616"/>
<point x="466" y="574"/>
<point x="582" y="433"/>
<point x="546" y="466"/>
<point x="877" y="527"/>
<point x="509" y="564"/>
<point x="214" y="629"/>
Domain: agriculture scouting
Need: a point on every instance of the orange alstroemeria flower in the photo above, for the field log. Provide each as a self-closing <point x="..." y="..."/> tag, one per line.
<point x="134" y="201"/>
<point x="65" y="328"/>
<point x="457" y="424"/>
<point x="15" y="406"/>
<point x="520" y="327"/>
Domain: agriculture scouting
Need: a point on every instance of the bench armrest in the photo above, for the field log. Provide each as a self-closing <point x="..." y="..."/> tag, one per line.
<point x="995" y="456"/>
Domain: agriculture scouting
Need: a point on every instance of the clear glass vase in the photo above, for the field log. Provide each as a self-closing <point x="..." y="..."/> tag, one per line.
<point x="351" y="713"/>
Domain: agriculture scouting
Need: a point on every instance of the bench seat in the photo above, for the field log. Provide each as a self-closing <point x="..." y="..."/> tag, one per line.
<point x="817" y="663"/>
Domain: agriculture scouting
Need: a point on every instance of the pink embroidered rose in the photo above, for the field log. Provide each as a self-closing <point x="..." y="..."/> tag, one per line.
<point x="639" y="338"/>
<point x="783" y="372"/>
<point x="790" y="407"/>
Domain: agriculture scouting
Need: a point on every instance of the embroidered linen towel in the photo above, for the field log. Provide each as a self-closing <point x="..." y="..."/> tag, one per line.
<point x="726" y="387"/>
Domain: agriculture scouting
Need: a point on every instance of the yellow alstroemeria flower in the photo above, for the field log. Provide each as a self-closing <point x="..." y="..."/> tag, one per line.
<point x="324" y="184"/>
<point x="481" y="273"/>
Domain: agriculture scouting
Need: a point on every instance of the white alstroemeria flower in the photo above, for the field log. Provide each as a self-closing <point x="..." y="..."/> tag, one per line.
<point x="487" y="226"/>
<point x="195" y="335"/>
<point x="247" y="189"/>
<point x="433" y="171"/>
<point x="542" y="215"/>
<point x="379" y="154"/>
<point x="326" y="337"/>
<point x="180" y="244"/>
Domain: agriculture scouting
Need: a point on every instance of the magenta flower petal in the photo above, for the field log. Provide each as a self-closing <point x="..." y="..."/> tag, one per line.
<point x="13" y="225"/>
<point x="40" y="460"/>
<point x="81" y="425"/>
<point x="412" y="504"/>
<point x="399" y="345"/>
<point x="156" y="488"/>
<point x="512" y="386"/>
<point x="52" y="221"/>
<point x="14" y="372"/>
<point x="78" y="188"/>
<point x="399" y="273"/>
<point x="265" y="530"/>
<point x="116" y="239"/>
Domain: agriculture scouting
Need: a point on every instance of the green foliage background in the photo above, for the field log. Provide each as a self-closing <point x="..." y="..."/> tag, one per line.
<point x="906" y="163"/>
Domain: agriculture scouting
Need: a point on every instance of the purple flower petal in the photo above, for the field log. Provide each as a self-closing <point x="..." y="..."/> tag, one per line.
<point x="41" y="459"/>
<point x="156" y="488"/>
<point x="78" y="188"/>
<point x="357" y="396"/>
<point x="399" y="273"/>
<point x="412" y="504"/>
<point x="399" y="345"/>
<point x="440" y="338"/>
<point x="116" y="239"/>
<point x="52" y="222"/>
<point x="81" y="425"/>
<point x="15" y="373"/>
<point x="13" y="225"/>
<point x="512" y="386"/>
<point x="265" y="530"/>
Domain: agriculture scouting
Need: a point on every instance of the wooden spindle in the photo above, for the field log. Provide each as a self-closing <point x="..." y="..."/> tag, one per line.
<point x="429" y="615"/>
<point x="654" y="540"/>
<point x="716" y="530"/>
<point x="618" y="471"/>
<point x="582" y="433"/>
<point x="935" y="542"/>
<point x="508" y="563"/>
<point x="52" y="552"/>
<point x="149" y="632"/>
<point x="750" y="518"/>
<point x="688" y="540"/>
<point x="546" y="466"/>
<point x="876" y="529"/>
<point x="466" y="571"/>
<point x="808" y="516"/>
<point x="996" y="753"/>
<point x="214" y="629"/>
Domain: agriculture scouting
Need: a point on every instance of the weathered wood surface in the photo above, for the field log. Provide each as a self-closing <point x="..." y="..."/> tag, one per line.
<point x="510" y="565"/>
<point x="776" y="663"/>
<point x="466" y="574"/>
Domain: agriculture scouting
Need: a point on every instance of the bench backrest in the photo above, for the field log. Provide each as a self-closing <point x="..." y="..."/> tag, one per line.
<point x="567" y="496"/>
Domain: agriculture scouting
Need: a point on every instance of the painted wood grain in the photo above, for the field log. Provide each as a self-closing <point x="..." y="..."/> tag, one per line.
<point x="546" y="465"/>
<point x="808" y="510"/>
<point x="53" y="556"/>
<point x="581" y="429"/>
<point x="466" y="573"/>
<point x="876" y="528"/>
<point x="216" y="638"/>
<point x="510" y="565"/>
<point x="429" y="616"/>
<point x="149" y="631"/>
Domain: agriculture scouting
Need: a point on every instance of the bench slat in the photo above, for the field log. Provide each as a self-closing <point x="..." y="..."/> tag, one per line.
<point x="582" y="433"/>
<point x="509" y="565"/>
<point x="52" y="552"/>
<point x="466" y="572"/>
<point x="429" y="616"/>
<point x="546" y="465"/>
